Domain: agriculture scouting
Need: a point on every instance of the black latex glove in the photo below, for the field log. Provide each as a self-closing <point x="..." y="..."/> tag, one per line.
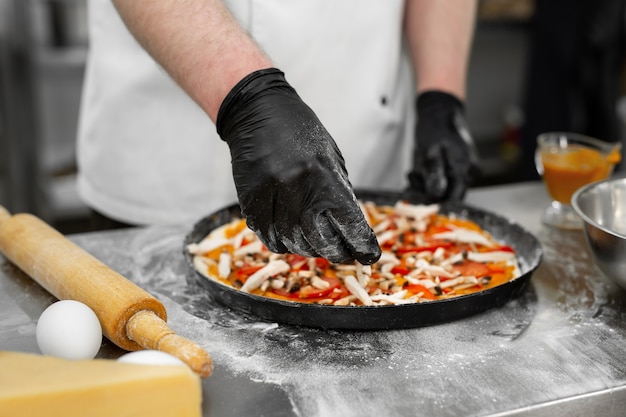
<point x="291" y="180"/>
<point x="445" y="161"/>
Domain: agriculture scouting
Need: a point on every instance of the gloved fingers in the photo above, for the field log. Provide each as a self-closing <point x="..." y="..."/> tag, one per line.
<point x="285" y="225"/>
<point x="459" y="178"/>
<point x="329" y="244"/>
<point x="356" y="233"/>
<point x="474" y="173"/>
<point x="267" y="236"/>
<point x="456" y="188"/>
<point x="415" y="193"/>
<point x="288" y="170"/>
<point x="434" y="173"/>
<point x="296" y="242"/>
<point x="459" y="173"/>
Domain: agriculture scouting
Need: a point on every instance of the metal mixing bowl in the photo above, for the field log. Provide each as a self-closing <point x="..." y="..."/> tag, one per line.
<point x="602" y="206"/>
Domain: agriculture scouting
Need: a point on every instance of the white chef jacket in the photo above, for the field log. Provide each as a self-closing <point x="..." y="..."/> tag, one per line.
<point x="147" y="154"/>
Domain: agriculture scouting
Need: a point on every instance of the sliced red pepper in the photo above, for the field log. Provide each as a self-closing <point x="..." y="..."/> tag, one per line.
<point x="471" y="268"/>
<point x="283" y="292"/>
<point x="501" y="248"/>
<point x="322" y="263"/>
<point x="338" y="293"/>
<point x="246" y="270"/>
<point x="400" y="270"/>
<point x="432" y="230"/>
<point x="418" y="288"/>
<point x="297" y="262"/>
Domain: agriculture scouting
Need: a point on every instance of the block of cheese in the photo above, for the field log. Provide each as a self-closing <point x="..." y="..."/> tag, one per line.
<point x="35" y="385"/>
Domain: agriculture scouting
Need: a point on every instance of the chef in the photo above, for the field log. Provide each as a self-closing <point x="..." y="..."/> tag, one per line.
<point x="300" y="92"/>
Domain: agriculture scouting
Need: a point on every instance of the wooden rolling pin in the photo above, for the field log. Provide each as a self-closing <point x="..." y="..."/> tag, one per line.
<point x="130" y="317"/>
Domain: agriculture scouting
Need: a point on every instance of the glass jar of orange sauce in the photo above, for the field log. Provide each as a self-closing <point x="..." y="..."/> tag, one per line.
<point x="567" y="161"/>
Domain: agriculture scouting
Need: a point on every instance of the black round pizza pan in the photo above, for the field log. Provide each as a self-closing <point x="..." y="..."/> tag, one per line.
<point x="402" y="316"/>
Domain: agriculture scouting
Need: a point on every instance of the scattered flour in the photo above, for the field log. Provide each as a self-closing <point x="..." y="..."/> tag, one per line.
<point x="556" y="340"/>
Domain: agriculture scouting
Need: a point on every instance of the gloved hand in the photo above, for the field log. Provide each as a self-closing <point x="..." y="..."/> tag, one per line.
<point x="290" y="176"/>
<point x="445" y="161"/>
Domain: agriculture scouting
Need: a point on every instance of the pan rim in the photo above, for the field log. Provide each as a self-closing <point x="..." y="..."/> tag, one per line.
<point x="225" y="294"/>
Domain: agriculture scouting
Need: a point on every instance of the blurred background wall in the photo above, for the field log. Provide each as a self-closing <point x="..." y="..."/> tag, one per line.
<point x="43" y="46"/>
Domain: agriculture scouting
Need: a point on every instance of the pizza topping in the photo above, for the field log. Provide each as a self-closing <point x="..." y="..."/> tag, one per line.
<point x="387" y="236"/>
<point x="426" y="256"/>
<point x="319" y="283"/>
<point x="223" y="267"/>
<point x="363" y="274"/>
<point x="357" y="290"/>
<point x="395" y="298"/>
<point x="493" y="256"/>
<point x="464" y="236"/>
<point x="254" y="247"/>
<point x="207" y="245"/>
<point x="424" y="267"/>
<point x="255" y="280"/>
<point x="417" y="213"/>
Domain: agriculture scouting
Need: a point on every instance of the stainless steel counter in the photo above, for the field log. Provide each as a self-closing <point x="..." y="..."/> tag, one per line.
<point x="557" y="350"/>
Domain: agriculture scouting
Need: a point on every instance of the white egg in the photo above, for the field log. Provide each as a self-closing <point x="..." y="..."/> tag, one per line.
<point x="150" y="357"/>
<point x="69" y="329"/>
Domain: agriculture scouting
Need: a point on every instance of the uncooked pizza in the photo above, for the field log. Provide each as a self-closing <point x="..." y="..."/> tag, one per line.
<point x="426" y="256"/>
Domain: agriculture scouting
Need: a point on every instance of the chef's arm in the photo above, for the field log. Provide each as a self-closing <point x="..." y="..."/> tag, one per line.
<point x="440" y="34"/>
<point x="445" y="161"/>
<point x="291" y="180"/>
<point x="198" y="43"/>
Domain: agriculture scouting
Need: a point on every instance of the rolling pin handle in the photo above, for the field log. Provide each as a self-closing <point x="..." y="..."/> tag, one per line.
<point x="151" y="332"/>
